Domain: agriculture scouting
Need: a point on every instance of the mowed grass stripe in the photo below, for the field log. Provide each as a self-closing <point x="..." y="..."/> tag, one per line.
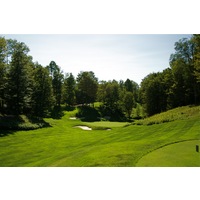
<point x="64" y="145"/>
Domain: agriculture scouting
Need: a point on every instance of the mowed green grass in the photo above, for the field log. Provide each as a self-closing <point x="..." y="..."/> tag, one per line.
<point x="64" y="145"/>
<point x="182" y="154"/>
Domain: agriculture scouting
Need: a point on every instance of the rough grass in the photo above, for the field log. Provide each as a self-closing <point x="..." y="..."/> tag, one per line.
<point x="64" y="145"/>
<point x="180" y="113"/>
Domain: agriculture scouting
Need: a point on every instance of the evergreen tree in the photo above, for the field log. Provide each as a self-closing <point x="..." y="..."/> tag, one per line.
<point x="57" y="81"/>
<point x="69" y="90"/>
<point x="43" y="92"/>
<point x="2" y="72"/>
<point x="20" y="80"/>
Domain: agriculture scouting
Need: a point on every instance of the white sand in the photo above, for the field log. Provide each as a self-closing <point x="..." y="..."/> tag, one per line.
<point x="73" y="118"/>
<point x="84" y="128"/>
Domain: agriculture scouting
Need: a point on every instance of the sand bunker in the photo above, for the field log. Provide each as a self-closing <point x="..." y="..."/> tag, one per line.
<point x="84" y="128"/>
<point x="73" y="118"/>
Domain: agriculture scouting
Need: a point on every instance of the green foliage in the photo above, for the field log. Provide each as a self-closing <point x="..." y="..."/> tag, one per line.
<point x="109" y="93"/>
<point x="43" y="99"/>
<point x="57" y="112"/>
<point x="176" y="86"/>
<point x="69" y="96"/>
<point x="138" y="112"/>
<point x="87" y="113"/>
<point x="114" y="113"/>
<point x="29" y="88"/>
<point x="133" y="87"/>
<point x="2" y="72"/>
<point x="196" y="41"/>
<point x="153" y="94"/>
<point x="180" y="113"/>
<point x="87" y="86"/>
<point x="182" y="62"/>
<point x="20" y="81"/>
<point x="128" y="103"/>
<point x="57" y="81"/>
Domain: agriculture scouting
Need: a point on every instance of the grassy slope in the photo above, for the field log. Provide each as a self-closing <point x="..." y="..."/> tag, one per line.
<point x="64" y="145"/>
<point x="181" y="154"/>
<point x="185" y="112"/>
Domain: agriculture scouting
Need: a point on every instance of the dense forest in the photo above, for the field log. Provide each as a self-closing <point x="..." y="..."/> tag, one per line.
<point x="26" y="87"/>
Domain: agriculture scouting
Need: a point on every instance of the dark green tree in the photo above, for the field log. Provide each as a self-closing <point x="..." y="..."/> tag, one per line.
<point x="43" y="99"/>
<point x="57" y="81"/>
<point x="182" y="63"/>
<point x="20" y="80"/>
<point x="128" y="85"/>
<point x="2" y="72"/>
<point x="87" y="86"/>
<point x="111" y="94"/>
<point x="133" y="87"/>
<point x="69" y="90"/>
<point x="128" y="103"/>
<point x="10" y="47"/>
<point x="153" y="94"/>
<point x="196" y="41"/>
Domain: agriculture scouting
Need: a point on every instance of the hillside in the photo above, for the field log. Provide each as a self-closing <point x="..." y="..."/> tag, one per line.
<point x="63" y="144"/>
<point x="180" y="113"/>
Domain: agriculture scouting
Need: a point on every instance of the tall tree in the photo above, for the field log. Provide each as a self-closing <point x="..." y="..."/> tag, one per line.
<point x="153" y="93"/>
<point x="196" y="41"/>
<point x="57" y="81"/>
<point x="132" y="87"/>
<point x="43" y="93"/>
<point x="87" y="85"/>
<point x="183" y="68"/>
<point x="2" y="71"/>
<point x="69" y="90"/>
<point x="11" y="46"/>
<point x="111" y="94"/>
<point x="128" y="103"/>
<point x="20" y="80"/>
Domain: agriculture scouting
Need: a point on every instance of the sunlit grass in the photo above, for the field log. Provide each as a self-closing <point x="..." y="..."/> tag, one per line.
<point x="179" y="113"/>
<point x="182" y="154"/>
<point x="63" y="145"/>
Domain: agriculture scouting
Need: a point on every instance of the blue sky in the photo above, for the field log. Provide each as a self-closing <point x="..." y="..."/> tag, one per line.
<point x="109" y="56"/>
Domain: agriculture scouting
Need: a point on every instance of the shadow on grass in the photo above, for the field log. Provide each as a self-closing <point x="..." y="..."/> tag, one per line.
<point x="12" y="123"/>
<point x="4" y="133"/>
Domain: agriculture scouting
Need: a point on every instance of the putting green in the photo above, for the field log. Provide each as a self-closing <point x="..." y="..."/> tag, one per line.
<point x="181" y="154"/>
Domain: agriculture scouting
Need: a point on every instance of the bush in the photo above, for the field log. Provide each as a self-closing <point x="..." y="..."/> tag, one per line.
<point x="114" y="114"/>
<point x="87" y="113"/>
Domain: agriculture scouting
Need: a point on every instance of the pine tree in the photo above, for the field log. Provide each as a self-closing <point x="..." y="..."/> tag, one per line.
<point x="43" y="93"/>
<point x="2" y="72"/>
<point x="69" y="90"/>
<point x="20" y="81"/>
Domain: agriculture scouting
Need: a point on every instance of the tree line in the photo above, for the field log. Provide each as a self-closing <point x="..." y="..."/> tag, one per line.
<point x="30" y="88"/>
<point x="178" y="85"/>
